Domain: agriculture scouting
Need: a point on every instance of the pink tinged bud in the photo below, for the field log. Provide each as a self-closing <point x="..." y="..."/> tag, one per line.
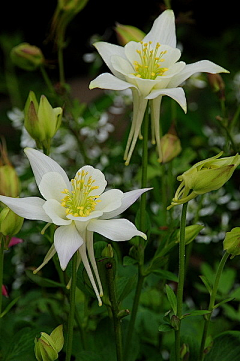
<point x="14" y="241"/>
<point x="4" y="291"/>
<point x="126" y="33"/>
<point x="27" y="57"/>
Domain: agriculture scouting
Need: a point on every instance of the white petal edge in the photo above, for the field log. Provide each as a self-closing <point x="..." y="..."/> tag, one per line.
<point x="97" y="176"/>
<point x="109" y="81"/>
<point x="163" y="30"/>
<point x="67" y="240"/>
<point x="177" y="94"/>
<point x="42" y="164"/>
<point x="52" y="185"/>
<point x="127" y="200"/>
<point x="115" y="229"/>
<point x="56" y="212"/>
<point x="29" y="207"/>
<point x="204" y="66"/>
<point x="110" y="200"/>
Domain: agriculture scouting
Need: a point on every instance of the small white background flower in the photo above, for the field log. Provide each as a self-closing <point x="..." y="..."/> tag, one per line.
<point x="78" y="207"/>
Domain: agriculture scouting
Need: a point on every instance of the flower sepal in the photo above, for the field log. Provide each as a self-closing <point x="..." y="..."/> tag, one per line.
<point x="231" y="243"/>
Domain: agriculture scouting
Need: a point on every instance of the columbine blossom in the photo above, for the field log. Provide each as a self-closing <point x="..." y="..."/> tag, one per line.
<point x="78" y="207"/>
<point x="150" y="68"/>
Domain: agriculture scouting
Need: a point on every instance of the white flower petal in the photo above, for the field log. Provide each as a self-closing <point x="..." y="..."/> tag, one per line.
<point x="127" y="200"/>
<point x="122" y="65"/>
<point x="56" y="212"/>
<point x="190" y="69"/>
<point x="52" y="186"/>
<point x="115" y="229"/>
<point x="177" y="94"/>
<point x="163" y="30"/>
<point x="97" y="176"/>
<point x="109" y="81"/>
<point x="110" y="200"/>
<point x="106" y="50"/>
<point x="42" y="164"/>
<point x="67" y="240"/>
<point x="93" y="214"/>
<point x="29" y="207"/>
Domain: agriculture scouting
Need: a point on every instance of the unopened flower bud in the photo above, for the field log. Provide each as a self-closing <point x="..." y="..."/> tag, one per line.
<point x="27" y="57"/>
<point x="41" y="120"/>
<point x="170" y="146"/>
<point x="10" y="222"/>
<point x="217" y="84"/>
<point x="47" y="346"/>
<point x="205" y="176"/>
<point x="126" y="33"/>
<point x="107" y="251"/>
<point x="231" y="243"/>
<point x="191" y="233"/>
<point x="9" y="185"/>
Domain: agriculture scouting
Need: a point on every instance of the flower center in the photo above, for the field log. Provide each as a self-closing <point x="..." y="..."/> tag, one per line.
<point x="149" y="65"/>
<point x="79" y="202"/>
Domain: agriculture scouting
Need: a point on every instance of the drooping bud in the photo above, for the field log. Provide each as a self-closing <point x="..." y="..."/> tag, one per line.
<point x="47" y="346"/>
<point x="170" y="146"/>
<point x="41" y="120"/>
<point x="126" y="33"/>
<point x="205" y="176"/>
<point x="231" y="243"/>
<point x="10" y="223"/>
<point x="27" y="57"/>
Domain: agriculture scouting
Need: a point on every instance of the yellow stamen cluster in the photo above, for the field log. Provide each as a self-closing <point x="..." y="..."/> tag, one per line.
<point x="79" y="202"/>
<point x="150" y="59"/>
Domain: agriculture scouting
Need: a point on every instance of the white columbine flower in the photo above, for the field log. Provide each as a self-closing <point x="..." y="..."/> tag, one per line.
<point x="78" y="207"/>
<point x="151" y="69"/>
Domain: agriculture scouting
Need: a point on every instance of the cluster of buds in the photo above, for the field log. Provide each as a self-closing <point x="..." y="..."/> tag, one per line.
<point x="47" y="346"/>
<point x="41" y="120"/>
<point x="10" y="223"/>
<point x="27" y="57"/>
<point x="203" y="177"/>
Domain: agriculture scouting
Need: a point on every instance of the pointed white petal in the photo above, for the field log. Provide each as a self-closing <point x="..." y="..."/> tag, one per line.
<point x="122" y="65"/>
<point x="29" y="207"/>
<point x="97" y="176"/>
<point x="42" y="164"/>
<point x="110" y="200"/>
<point x="155" y="105"/>
<point x="177" y="94"/>
<point x="127" y="200"/>
<point x="115" y="229"/>
<point x="190" y="69"/>
<point x="109" y="81"/>
<point x="163" y="30"/>
<point x="52" y="185"/>
<point x="107" y="50"/>
<point x="83" y="253"/>
<point x="56" y="212"/>
<point x="67" y="240"/>
<point x="51" y="252"/>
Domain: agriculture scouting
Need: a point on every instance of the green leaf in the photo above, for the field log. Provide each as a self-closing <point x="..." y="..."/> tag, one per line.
<point x="166" y="275"/>
<point x="41" y="281"/>
<point x="88" y="356"/>
<point x="165" y="327"/>
<point x="206" y="283"/>
<point x="224" y="301"/>
<point x="9" y="306"/>
<point x="21" y="346"/>
<point x="197" y="313"/>
<point x="124" y="286"/>
<point x="226" y="347"/>
<point x="172" y="298"/>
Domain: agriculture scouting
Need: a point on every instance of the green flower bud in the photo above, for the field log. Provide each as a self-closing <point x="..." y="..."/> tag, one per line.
<point x="231" y="243"/>
<point x="10" y="222"/>
<point x="9" y="185"/>
<point x="27" y="57"/>
<point x="191" y="233"/>
<point x="47" y="347"/>
<point x="205" y="176"/>
<point x="41" y="120"/>
<point x="170" y="146"/>
<point x="107" y="251"/>
<point x="126" y="33"/>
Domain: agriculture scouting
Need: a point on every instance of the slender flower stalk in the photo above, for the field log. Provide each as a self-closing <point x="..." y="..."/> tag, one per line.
<point x="181" y="278"/>
<point x="78" y="207"/>
<point x="212" y="303"/>
<point x="150" y="68"/>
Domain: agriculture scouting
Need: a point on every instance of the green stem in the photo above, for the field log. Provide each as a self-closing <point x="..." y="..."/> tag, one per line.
<point x="115" y="310"/>
<point x="47" y="80"/>
<point x="143" y="228"/>
<point x="211" y="303"/>
<point x="181" y="277"/>
<point x="72" y="309"/>
<point x="1" y="269"/>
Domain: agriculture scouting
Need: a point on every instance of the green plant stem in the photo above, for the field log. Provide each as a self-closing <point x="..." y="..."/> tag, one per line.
<point x="115" y="310"/>
<point x="143" y="228"/>
<point x="211" y="303"/>
<point x="1" y="269"/>
<point x="181" y="277"/>
<point x="72" y="309"/>
<point x="47" y="80"/>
